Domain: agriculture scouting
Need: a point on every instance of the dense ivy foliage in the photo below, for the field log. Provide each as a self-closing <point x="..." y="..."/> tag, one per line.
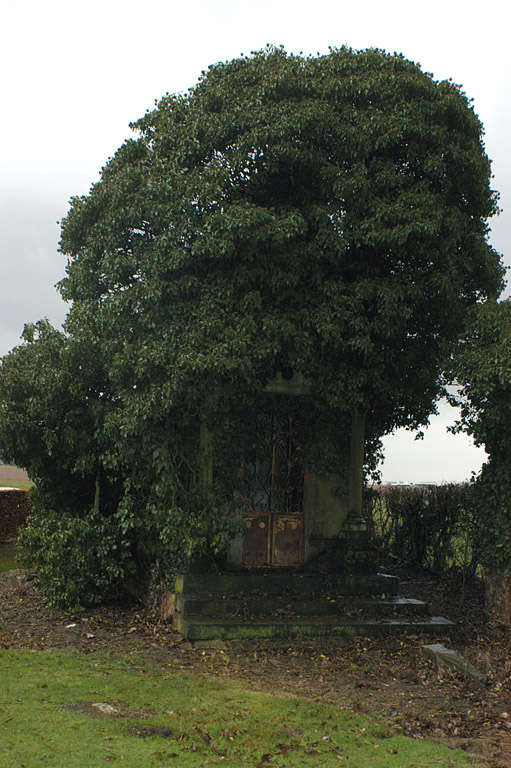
<point x="326" y="215"/>
<point x="483" y="370"/>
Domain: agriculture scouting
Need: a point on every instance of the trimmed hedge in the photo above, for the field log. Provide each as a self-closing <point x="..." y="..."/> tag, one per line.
<point x="436" y="527"/>
<point x="15" y="508"/>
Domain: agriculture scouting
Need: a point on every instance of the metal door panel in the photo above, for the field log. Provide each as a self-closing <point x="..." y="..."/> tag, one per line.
<point x="287" y="540"/>
<point x="256" y="541"/>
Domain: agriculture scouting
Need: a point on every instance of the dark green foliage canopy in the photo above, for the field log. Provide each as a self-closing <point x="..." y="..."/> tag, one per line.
<point x="483" y="370"/>
<point x="329" y="214"/>
<point x="326" y="215"/>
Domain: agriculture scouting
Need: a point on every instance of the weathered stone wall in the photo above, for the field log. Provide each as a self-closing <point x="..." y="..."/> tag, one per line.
<point x="14" y="510"/>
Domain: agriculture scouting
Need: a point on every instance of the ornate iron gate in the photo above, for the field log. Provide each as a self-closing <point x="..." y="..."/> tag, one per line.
<point x="274" y="490"/>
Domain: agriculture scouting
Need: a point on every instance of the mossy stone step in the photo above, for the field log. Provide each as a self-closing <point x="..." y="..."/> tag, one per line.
<point x="285" y="583"/>
<point x="202" y="628"/>
<point x="261" y="606"/>
<point x="295" y="604"/>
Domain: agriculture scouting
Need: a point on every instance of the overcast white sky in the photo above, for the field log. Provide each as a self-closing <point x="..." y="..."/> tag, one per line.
<point x="75" y="74"/>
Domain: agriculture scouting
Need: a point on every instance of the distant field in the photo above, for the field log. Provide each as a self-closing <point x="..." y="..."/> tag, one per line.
<point x="13" y="477"/>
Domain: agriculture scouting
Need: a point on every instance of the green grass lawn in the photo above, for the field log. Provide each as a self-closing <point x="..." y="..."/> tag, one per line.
<point x="22" y="485"/>
<point x="167" y="717"/>
<point x="8" y="559"/>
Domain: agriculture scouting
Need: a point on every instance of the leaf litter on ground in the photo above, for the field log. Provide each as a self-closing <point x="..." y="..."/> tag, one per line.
<point x="363" y="676"/>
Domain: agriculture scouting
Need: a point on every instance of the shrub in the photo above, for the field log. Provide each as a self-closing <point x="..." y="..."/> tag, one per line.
<point x="435" y="526"/>
<point x="79" y="561"/>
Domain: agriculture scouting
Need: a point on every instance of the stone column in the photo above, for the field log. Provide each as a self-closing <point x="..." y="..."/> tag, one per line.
<point x="358" y="555"/>
<point x="354" y="520"/>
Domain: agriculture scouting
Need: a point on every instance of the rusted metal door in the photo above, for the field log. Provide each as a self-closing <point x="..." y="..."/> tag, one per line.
<point x="274" y="492"/>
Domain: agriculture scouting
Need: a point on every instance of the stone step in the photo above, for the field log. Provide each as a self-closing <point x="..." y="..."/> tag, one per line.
<point x="297" y="584"/>
<point x="204" y="628"/>
<point x="282" y="607"/>
<point x="294" y="604"/>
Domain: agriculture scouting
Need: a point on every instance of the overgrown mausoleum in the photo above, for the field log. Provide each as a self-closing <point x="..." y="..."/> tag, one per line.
<point x="301" y="565"/>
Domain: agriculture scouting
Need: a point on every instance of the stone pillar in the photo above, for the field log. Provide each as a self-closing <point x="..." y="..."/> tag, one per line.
<point x="358" y="555"/>
<point x="356" y="471"/>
